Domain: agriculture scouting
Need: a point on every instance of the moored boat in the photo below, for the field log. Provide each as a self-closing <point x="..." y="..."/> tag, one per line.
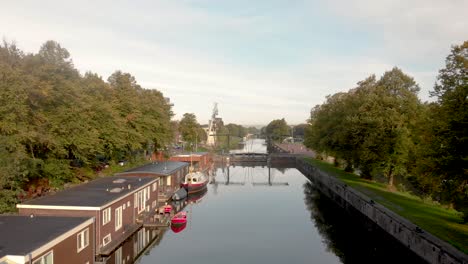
<point x="195" y="182"/>
<point x="179" y="194"/>
<point x="179" y="218"/>
<point x="167" y="209"/>
<point x="176" y="228"/>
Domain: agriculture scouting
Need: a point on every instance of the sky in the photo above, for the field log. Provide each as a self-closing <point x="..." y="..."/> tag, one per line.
<point x="259" y="60"/>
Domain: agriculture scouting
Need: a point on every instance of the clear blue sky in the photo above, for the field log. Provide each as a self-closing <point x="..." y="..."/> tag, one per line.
<point x="260" y="60"/>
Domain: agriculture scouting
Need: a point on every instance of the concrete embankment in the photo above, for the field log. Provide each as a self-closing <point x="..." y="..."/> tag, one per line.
<point x="427" y="246"/>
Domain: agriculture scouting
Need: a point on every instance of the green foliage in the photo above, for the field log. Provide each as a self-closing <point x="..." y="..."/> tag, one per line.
<point x="236" y="130"/>
<point x="277" y="130"/>
<point x="451" y="133"/>
<point x="253" y="130"/>
<point x="381" y="128"/>
<point x="299" y="130"/>
<point x="370" y="126"/>
<point x="54" y="121"/>
<point x="190" y="129"/>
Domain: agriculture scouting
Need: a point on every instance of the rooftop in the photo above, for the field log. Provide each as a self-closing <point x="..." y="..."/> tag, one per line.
<point x="163" y="168"/>
<point x="195" y="154"/>
<point x="96" y="193"/>
<point x="21" y="234"/>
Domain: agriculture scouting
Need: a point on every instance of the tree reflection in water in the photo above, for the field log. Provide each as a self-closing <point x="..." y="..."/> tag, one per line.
<point x="353" y="238"/>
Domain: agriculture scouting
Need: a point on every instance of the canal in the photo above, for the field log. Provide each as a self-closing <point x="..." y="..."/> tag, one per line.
<point x="267" y="215"/>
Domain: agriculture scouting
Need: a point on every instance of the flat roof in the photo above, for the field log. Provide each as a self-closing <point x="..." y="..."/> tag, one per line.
<point x="22" y="235"/>
<point x="96" y="193"/>
<point x="163" y="168"/>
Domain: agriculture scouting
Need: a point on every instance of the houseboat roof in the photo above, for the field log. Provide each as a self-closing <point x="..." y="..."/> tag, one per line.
<point x="161" y="168"/>
<point x="24" y="235"/>
<point x="93" y="195"/>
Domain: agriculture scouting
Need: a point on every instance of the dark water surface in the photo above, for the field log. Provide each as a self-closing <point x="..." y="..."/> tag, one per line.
<point x="249" y="221"/>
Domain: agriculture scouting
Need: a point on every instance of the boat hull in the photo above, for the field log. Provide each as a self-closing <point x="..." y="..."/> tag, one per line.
<point x="176" y="228"/>
<point x="179" y="218"/>
<point x="194" y="188"/>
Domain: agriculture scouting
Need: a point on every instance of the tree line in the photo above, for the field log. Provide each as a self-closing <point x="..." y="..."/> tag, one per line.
<point x="56" y="123"/>
<point x="228" y="136"/>
<point x="278" y="130"/>
<point x="381" y="128"/>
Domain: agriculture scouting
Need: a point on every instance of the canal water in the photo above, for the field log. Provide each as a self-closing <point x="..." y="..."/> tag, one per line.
<point x="268" y="215"/>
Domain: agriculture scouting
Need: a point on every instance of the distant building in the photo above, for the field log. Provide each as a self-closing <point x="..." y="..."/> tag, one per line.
<point x="46" y="239"/>
<point x="200" y="160"/>
<point x="115" y="203"/>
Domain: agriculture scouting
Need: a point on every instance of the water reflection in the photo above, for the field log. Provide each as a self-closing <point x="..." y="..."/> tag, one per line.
<point x="133" y="247"/>
<point x="256" y="214"/>
<point x="350" y="236"/>
<point x="145" y="239"/>
<point x="178" y="227"/>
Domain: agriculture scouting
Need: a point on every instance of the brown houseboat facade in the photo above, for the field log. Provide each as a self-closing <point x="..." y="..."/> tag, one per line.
<point x="114" y="202"/>
<point x="171" y="174"/>
<point x="46" y="239"/>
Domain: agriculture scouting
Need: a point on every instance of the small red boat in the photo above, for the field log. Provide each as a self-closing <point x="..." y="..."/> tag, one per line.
<point x="167" y="209"/>
<point x="179" y="218"/>
<point x="176" y="228"/>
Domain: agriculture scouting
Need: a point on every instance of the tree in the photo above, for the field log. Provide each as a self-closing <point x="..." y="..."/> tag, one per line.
<point x="299" y="130"/>
<point x="370" y="126"/>
<point x="277" y="130"/>
<point x="451" y="134"/>
<point x="189" y="129"/>
<point x="53" y="121"/>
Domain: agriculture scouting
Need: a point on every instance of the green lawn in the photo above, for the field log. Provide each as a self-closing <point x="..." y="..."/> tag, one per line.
<point x="440" y="221"/>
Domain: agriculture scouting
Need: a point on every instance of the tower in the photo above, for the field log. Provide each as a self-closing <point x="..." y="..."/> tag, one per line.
<point x="211" y="130"/>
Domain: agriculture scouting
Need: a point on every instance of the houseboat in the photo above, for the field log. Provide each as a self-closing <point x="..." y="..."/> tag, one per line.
<point x="171" y="174"/>
<point x="115" y="203"/>
<point x="46" y="239"/>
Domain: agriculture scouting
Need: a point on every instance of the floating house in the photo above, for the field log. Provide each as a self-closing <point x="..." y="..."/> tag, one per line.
<point x="46" y="239"/>
<point x="171" y="174"/>
<point x="115" y="203"/>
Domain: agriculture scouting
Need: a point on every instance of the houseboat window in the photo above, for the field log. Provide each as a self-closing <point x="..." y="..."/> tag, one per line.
<point x="194" y="180"/>
<point x="46" y="258"/>
<point x="135" y="205"/>
<point x="118" y="218"/>
<point x="141" y="201"/>
<point x="128" y="204"/>
<point x="82" y="239"/>
<point x="154" y="186"/>
<point x="168" y="181"/>
<point x="106" y="240"/>
<point x="106" y="216"/>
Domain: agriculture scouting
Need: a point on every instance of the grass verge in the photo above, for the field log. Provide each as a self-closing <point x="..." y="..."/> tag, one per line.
<point x="440" y="221"/>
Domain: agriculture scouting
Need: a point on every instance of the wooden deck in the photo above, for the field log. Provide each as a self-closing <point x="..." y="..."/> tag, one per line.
<point x="155" y="219"/>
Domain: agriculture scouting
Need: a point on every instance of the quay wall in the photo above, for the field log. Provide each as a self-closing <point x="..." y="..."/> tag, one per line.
<point x="427" y="246"/>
